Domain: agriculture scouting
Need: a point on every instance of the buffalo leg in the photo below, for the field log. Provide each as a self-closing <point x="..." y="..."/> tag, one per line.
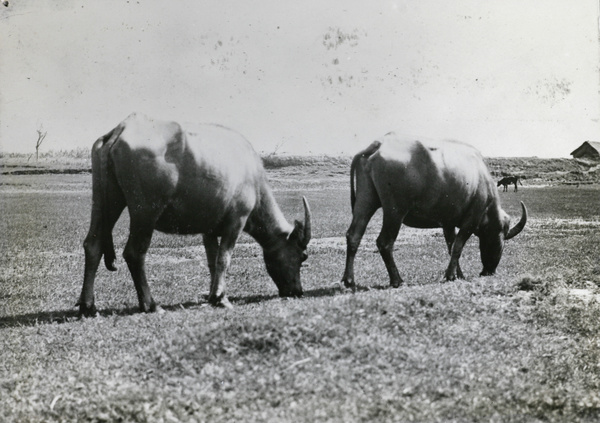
<point x="222" y="260"/>
<point x="457" y="247"/>
<point x="354" y="235"/>
<point x="385" y="245"/>
<point x="211" y="246"/>
<point x="93" y="248"/>
<point x="135" y="256"/>
<point x="450" y="236"/>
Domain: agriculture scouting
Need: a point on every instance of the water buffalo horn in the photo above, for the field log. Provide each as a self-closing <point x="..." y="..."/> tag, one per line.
<point x="515" y="230"/>
<point x="307" y="229"/>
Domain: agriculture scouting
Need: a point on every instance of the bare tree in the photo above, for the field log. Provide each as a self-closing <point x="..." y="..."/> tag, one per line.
<point x="41" y="136"/>
<point x="276" y="149"/>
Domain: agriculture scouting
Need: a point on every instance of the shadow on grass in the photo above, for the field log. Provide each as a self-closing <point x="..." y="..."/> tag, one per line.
<point x="65" y="316"/>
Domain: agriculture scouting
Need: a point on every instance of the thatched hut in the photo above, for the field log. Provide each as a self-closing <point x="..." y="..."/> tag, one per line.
<point x="588" y="150"/>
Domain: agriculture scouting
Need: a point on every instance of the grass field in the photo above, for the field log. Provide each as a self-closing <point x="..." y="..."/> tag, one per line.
<point x="519" y="346"/>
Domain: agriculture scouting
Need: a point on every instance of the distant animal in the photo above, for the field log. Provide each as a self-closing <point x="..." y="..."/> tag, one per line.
<point x="200" y="179"/>
<point x="509" y="180"/>
<point x="427" y="185"/>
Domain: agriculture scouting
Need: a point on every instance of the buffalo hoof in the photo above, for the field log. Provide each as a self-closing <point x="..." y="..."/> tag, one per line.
<point x="396" y="283"/>
<point x="349" y="283"/>
<point x="87" y="310"/>
<point x="148" y="308"/>
<point x="219" y="301"/>
<point x="486" y="273"/>
<point x="449" y="277"/>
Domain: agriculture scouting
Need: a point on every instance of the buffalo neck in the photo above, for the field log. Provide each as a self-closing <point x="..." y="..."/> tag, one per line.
<point x="267" y="223"/>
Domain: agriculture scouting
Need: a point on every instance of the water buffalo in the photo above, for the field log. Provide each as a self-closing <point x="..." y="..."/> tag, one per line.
<point x="199" y="179"/>
<point x="427" y="185"/>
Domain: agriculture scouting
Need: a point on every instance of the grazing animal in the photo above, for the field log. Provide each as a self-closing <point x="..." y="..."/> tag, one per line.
<point x="509" y="180"/>
<point x="427" y="185"/>
<point x="202" y="179"/>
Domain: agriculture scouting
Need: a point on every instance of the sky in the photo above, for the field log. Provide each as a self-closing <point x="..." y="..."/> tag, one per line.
<point x="511" y="77"/>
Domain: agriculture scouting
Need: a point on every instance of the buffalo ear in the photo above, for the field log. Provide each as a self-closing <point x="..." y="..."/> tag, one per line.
<point x="297" y="231"/>
<point x="302" y="230"/>
<point x="299" y="234"/>
<point x="298" y="227"/>
<point x="505" y="225"/>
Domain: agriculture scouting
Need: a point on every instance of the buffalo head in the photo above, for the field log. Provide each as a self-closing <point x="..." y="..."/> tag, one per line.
<point x="494" y="230"/>
<point x="284" y="259"/>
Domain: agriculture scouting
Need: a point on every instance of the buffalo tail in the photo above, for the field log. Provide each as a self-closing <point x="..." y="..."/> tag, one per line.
<point x="108" y="247"/>
<point x="366" y="153"/>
